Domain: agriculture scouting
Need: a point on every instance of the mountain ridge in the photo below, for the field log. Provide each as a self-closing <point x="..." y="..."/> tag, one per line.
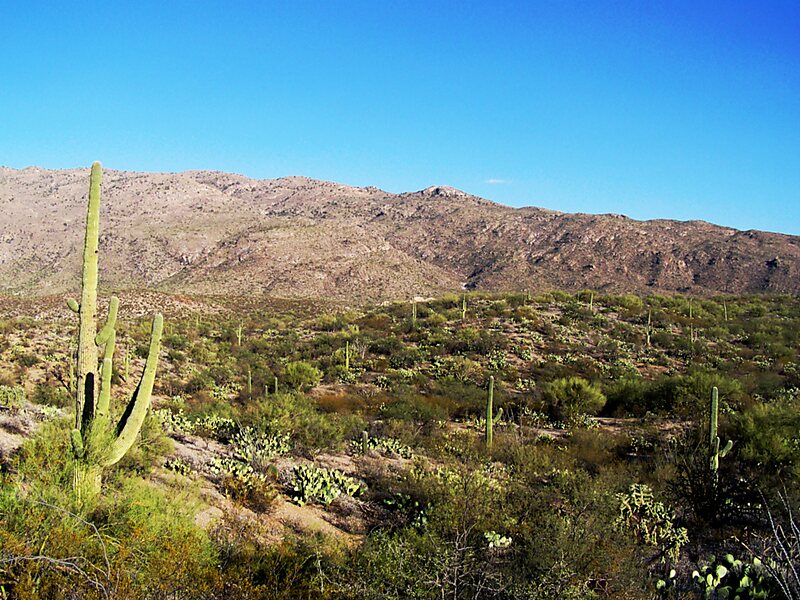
<point x="217" y="232"/>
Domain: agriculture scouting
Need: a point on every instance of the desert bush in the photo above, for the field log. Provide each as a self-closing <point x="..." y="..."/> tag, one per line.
<point x="406" y="358"/>
<point x="301" y="376"/>
<point x="51" y="395"/>
<point x="214" y="426"/>
<point x="303" y="566"/>
<point x="768" y="435"/>
<point x="566" y="398"/>
<point x="151" y="447"/>
<point x="692" y="392"/>
<point x="135" y="541"/>
<point x="432" y="567"/>
<point x="411" y="406"/>
<point x="240" y="482"/>
<point x="12" y="396"/>
<point x="575" y="513"/>
<point x="311" y="429"/>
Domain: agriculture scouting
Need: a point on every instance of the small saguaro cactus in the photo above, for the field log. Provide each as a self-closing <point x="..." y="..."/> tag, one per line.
<point x="713" y="439"/>
<point x="649" y="329"/>
<point x="413" y="313"/>
<point x="489" y="412"/>
<point x="490" y="419"/>
<point x="364" y="441"/>
<point x="95" y="444"/>
<point x="463" y="307"/>
<point x="239" y="334"/>
<point x="347" y="355"/>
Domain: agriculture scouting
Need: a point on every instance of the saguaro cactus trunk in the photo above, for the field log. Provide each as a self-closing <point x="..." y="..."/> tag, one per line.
<point x="713" y="442"/>
<point x="95" y="444"/>
<point x="489" y="413"/>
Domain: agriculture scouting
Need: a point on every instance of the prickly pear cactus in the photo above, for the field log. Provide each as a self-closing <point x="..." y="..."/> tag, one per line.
<point x="312" y="484"/>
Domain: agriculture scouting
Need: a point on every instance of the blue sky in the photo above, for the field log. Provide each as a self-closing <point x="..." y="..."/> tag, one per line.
<point x="685" y="110"/>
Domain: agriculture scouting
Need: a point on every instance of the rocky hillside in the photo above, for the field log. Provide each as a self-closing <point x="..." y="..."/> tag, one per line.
<point x="211" y="232"/>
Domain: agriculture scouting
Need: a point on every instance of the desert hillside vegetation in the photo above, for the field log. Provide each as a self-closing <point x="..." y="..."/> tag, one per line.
<point x="305" y="449"/>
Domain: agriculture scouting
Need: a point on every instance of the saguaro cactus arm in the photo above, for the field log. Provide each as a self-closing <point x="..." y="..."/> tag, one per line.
<point x="107" y="339"/>
<point x="111" y="322"/>
<point x="104" y="397"/>
<point x="131" y="421"/>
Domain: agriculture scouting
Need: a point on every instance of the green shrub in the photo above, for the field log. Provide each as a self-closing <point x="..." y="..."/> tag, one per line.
<point x="769" y="436"/>
<point x="301" y="376"/>
<point x="214" y="426"/>
<point x="51" y="395"/>
<point x="310" y="428"/>
<point x="240" y="482"/>
<point x="12" y="396"/>
<point x="136" y="541"/>
<point x="410" y="406"/>
<point x="692" y="392"/>
<point x="568" y="397"/>
<point x="149" y="450"/>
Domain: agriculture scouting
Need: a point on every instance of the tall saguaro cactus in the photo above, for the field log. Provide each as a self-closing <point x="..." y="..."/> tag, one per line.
<point x="713" y="439"/>
<point x="95" y="444"/>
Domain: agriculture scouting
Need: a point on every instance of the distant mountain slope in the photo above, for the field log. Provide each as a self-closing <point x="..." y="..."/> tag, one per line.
<point x="211" y="232"/>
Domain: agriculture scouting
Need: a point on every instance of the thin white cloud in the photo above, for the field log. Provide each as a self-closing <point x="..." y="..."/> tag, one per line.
<point x="498" y="181"/>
